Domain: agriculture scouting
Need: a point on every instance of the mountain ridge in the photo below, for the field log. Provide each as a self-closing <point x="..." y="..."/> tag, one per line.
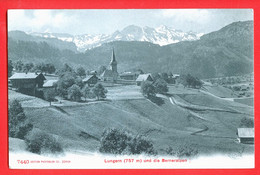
<point x="216" y="54"/>
<point x="161" y="35"/>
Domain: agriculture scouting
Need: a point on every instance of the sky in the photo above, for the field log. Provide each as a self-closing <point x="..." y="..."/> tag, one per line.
<point x="78" y="22"/>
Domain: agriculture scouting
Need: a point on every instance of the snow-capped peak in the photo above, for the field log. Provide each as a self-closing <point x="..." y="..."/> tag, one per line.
<point x="161" y="35"/>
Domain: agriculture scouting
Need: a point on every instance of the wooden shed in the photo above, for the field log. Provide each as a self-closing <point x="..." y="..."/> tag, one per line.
<point x="246" y="135"/>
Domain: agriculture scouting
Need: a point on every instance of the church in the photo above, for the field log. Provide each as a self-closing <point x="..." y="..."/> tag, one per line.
<point x="111" y="73"/>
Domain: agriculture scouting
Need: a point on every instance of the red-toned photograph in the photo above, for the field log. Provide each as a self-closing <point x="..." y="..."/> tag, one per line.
<point x="133" y="88"/>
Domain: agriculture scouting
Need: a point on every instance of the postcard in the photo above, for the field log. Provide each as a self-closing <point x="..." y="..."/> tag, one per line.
<point x="131" y="89"/>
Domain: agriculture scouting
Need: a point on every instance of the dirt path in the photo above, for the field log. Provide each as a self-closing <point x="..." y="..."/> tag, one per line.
<point x="202" y="108"/>
<point x="192" y="110"/>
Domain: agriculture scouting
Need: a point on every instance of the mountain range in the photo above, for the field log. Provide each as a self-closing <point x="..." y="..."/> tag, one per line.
<point x="162" y="35"/>
<point x="226" y="52"/>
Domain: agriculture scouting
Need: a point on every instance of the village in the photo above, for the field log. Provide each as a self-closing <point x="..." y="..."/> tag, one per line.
<point x="37" y="83"/>
<point x="197" y="106"/>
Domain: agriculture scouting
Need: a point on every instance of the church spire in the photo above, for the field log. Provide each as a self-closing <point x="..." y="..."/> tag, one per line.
<point x="113" y="58"/>
<point x="113" y="63"/>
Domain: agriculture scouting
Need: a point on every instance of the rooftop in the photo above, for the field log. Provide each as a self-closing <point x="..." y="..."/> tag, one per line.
<point x="143" y="77"/>
<point x="28" y="75"/>
<point x="49" y="83"/>
<point x="88" y="77"/>
<point x="246" y="132"/>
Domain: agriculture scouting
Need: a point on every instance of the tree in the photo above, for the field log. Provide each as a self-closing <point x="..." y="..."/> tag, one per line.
<point x="190" y="81"/>
<point x="155" y="76"/>
<point x="118" y="141"/>
<point x="160" y="86"/>
<point x="27" y="67"/>
<point x="148" y="89"/>
<point x="10" y="68"/>
<point x="17" y="122"/>
<point x="40" y="142"/>
<point x="86" y="92"/>
<point x="164" y="76"/>
<point x="49" y="95"/>
<point x="74" y="93"/>
<point x="19" y="66"/>
<point x="65" y="81"/>
<point x="81" y="72"/>
<point x="99" y="91"/>
<point x="65" y="69"/>
<point x="50" y="68"/>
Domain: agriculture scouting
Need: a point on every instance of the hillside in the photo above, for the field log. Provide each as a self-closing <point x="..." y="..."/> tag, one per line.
<point x="226" y="52"/>
<point x="209" y="124"/>
<point x="53" y="42"/>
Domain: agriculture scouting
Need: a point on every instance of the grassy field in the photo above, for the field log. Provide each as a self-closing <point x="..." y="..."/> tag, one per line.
<point x="210" y="125"/>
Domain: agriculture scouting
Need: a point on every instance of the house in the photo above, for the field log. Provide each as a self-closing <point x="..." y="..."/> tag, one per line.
<point x="90" y="79"/>
<point x="143" y="77"/>
<point x="27" y="83"/>
<point x="245" y="135"/>
<point x="49" y="84"/>
<point x="111" y="74"/>
<point x="129" y="75"/>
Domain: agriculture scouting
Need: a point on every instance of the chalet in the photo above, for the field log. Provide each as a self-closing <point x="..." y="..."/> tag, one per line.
<point x="27" y="83"/>
<point x="143" y="77"/>
<point x="111" y="74"/>
<point x="50" y="84"/>
<point x="90" y="79"/>
<point x="245" y="135"/>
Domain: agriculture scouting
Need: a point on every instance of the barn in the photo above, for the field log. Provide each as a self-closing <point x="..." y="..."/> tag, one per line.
<point x="245" y="135"/>
<point x="27" y="83"/>
<point x="143" y="77"/>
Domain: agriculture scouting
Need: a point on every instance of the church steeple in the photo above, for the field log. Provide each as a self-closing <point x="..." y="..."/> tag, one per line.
<point x="113" y="58"/>
<point x="113" y="63"/>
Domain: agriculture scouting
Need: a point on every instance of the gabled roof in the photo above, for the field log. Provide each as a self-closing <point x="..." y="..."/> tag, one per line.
<point x="28" y="75"/>
<point x="88" y="77"/>
<point x="246" y="132"/>
<point x="143" y="77"/>
<point x="49" y="83"/>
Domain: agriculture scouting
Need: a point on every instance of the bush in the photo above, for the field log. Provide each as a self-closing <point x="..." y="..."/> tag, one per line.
<point x="139" y="145"/>
<point x="113" y="141"/>
<point x="187" y="151"/>
<point x="246" y="122"/>
<point x="183" y="151"/>
<point x="18" y="125"/>
<point x="117" y="141"/>
<point x="40" y="142"/>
